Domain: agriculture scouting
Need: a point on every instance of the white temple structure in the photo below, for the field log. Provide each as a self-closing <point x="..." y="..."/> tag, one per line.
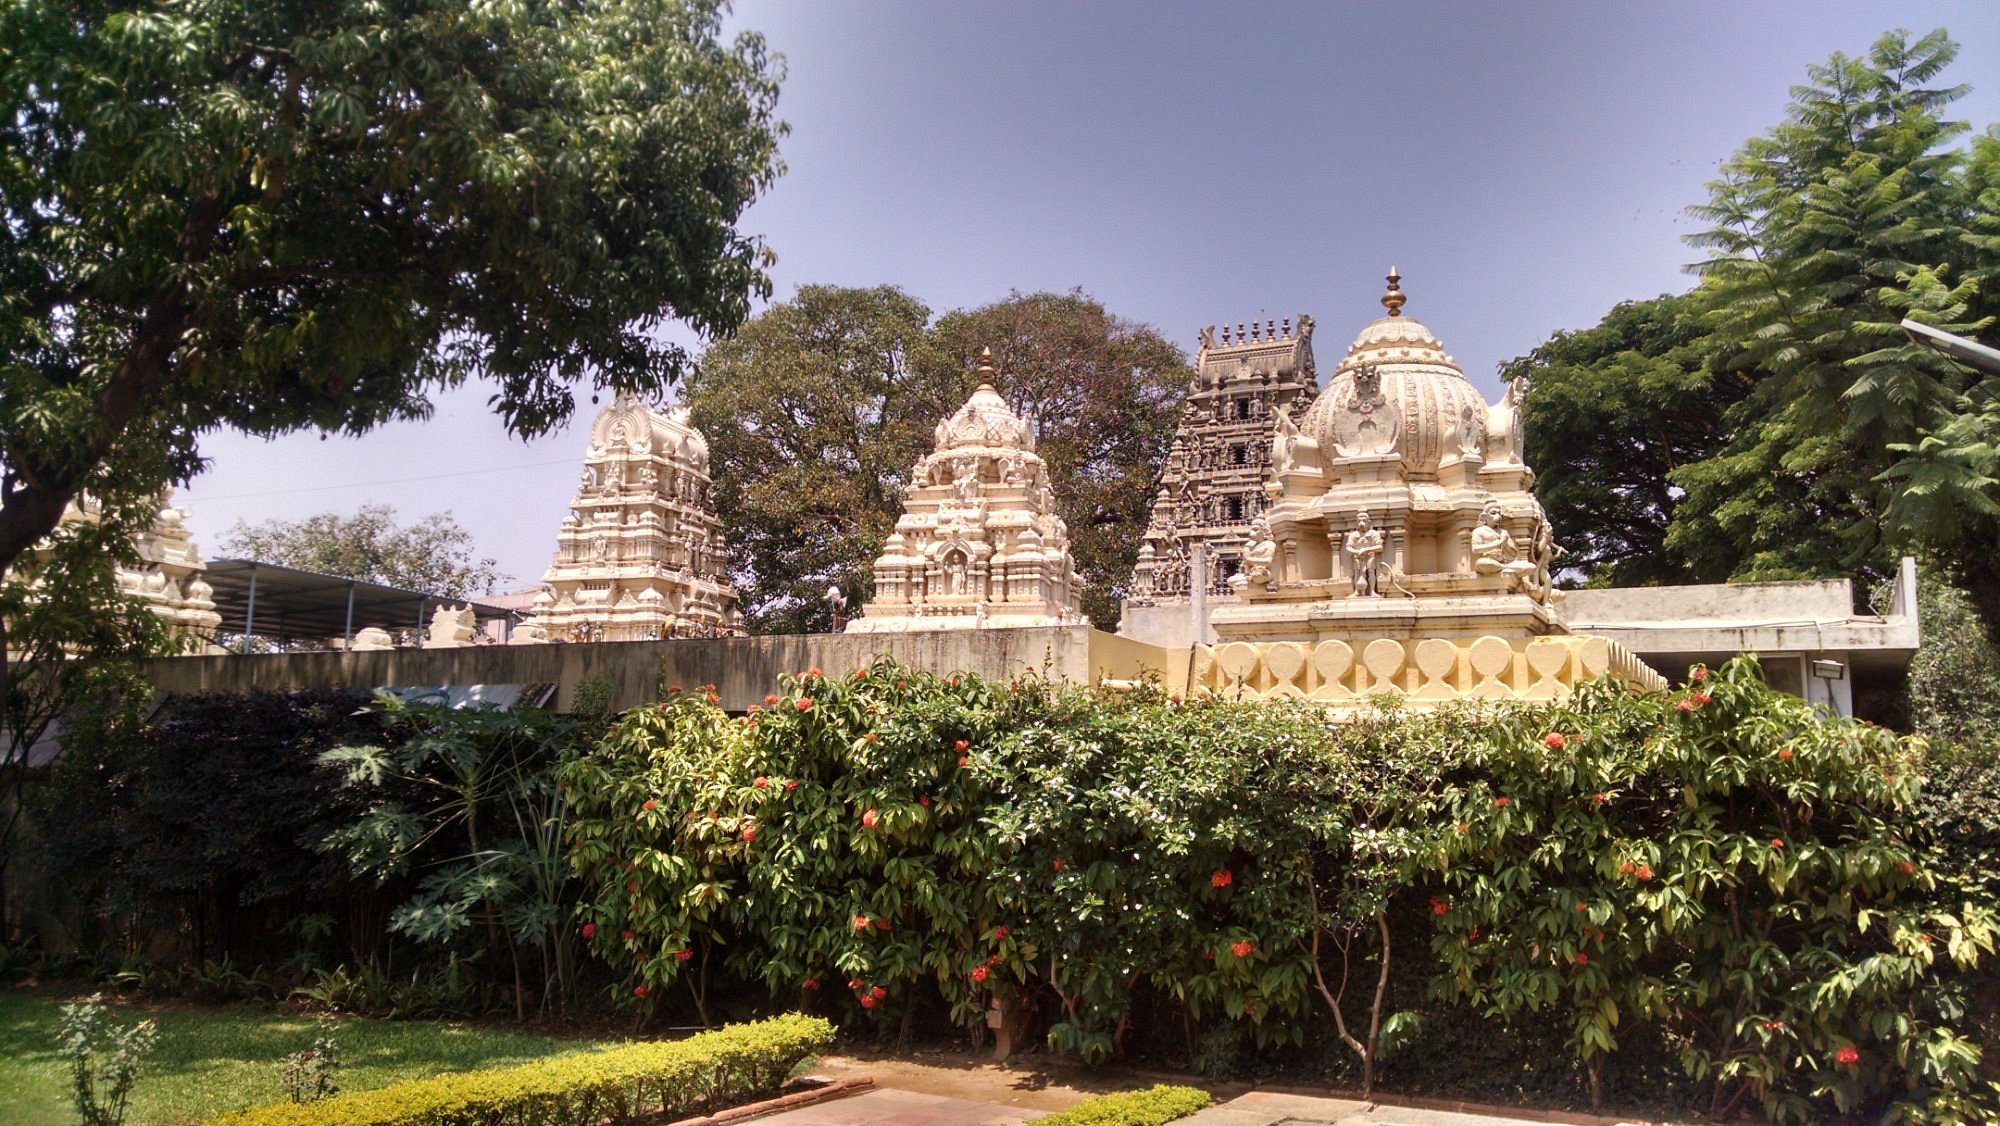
<point x="979" y="544"/>
<point x="640" y="555"/>
<point x="1401" y="549"/>
<point x="168" y="577"/>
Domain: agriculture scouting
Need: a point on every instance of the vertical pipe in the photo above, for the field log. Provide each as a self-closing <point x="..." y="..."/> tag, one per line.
<point x="347" y="630"/>
<point x="250" y="611"/>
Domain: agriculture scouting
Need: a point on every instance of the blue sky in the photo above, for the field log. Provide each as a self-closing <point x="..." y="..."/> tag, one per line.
<point x="1526" y="167"/>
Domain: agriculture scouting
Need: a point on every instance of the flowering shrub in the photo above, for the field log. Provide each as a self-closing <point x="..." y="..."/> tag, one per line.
<point x="1721" y="863"/>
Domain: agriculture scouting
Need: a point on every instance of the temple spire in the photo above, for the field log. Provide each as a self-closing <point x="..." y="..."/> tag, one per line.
<point x="1393" y="300"/>
<point x="986" y="369"/>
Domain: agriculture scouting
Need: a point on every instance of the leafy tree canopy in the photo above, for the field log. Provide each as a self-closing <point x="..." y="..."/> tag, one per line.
<point x="818" y="408"/>
<point x="1823" y="441"/>
<point x="278" y="216"/>
<point x="434" y="555"/>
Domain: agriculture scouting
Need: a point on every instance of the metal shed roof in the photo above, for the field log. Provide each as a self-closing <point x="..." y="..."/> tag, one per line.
<point x="266" y="600"/>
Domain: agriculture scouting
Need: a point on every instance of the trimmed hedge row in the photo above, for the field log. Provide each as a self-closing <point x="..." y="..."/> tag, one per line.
<point x="1154" y="1106"/>
<point x="671" y="1078"/>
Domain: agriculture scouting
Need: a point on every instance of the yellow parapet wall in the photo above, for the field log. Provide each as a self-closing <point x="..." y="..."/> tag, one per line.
<point x="1433" y="670"/>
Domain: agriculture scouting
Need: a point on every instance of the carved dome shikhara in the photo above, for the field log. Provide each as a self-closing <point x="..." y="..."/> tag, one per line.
<point x="1398" y="389"/>
<point x="985" y="421"/>
<point x="629" y="425"/>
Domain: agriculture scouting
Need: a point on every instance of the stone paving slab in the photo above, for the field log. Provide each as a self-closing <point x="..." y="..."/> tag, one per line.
<point x="1269" y="1108"/>
<point x="886" y="1106"/>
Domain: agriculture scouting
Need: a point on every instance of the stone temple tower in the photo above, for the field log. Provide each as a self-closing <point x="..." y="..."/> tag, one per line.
<point x="1212" y="489"/>
<point x="640" y="555"/>
<point x="979" y="544"/>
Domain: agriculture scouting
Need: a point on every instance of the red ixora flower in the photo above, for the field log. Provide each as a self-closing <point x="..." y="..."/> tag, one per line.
<point x="962" y="760"/>
<point x="1698" y="674"/>
<point x="1249" y="1008"/>
<point x="813" y="671"/>
<point x="867" y="1001"/>
<point x="761" y="782"/>
<point x="1700" y="698"/>
<point x="626" y="935"/>
<point x="589" y="931"/>
<point x="878" y="993"/>
<point x="1463" y="828"/>
<point x="1773" y="1025"/>
<point x="1903" y="866"/>
<point x="632" y="886"/>
<point x="1582" y="959"/>
<point x="809" y="983"/>
<point x="855" y="983"/>
<point x="861" y="922"/>
<point x="1439" y="906"/>
<point x="791" y="784"/>
<point x="1222" y="878"/>
<point x="1847" y="1056"/>
<point x="1643" y="872"/>
<point x="1058" y="864"/>
<point x="1784" y="754"/>
<point x="923" y="799"/>
<point x="1599" y="799"/>
<point x="1555" y="740"/>
<point x="1683" y="705"/>
<point x="770" y="699"/>
<point x="639" y="991"/>
<point x="683" y="955"/>
<point x="868" y="738"/>
<point x="870" y="818"/>
<point x="1503" y="801"/>
<point x="1777" y="842"/>
<point x="979" y="973"/>
<point x="805" y="703"/>
<point x="650" y="804"/>
<point x="1243" y="949"/>
<point x="749" y="834"/>
<point x="962" y="745"/>
<point x="999" y="932"/>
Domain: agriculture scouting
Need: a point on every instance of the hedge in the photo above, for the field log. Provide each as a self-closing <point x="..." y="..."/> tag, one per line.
<point x="668" y="1078"/>
<point x="1152" y="1107"/>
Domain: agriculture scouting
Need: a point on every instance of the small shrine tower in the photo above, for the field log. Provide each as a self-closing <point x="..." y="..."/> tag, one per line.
<point x="640" y="556"/>
<point x="979" y="544"/>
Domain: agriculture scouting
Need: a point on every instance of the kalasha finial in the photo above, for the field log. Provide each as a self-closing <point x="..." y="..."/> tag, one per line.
<point x="1393" y="300"/>
<point x="986" y="368"/>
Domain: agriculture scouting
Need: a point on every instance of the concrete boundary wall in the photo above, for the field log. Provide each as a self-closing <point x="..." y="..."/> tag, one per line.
<point x="743" y="669"/>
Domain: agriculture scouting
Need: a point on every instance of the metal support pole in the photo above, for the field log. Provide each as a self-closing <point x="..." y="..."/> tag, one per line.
<point x="347" y="630"/>
<point x="1198" y="590"/>
<point x="250" y="611"/>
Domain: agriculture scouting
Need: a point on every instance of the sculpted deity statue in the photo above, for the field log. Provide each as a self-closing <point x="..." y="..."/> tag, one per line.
<point x="1284" y="445"/>
<point x="1364" y="551"/>
<point x="1472" y="429"/>
<point x="965" y="486"/>
<point x="1494" y="551"/>
<point x="1366" y="425"/>
<point x="1545" y="552"/>
<point x="1208" y="337"/>
<point x="1258" y="555"/>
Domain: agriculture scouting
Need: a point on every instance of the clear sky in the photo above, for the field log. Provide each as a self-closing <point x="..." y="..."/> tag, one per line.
<point x="1524" y="165"/>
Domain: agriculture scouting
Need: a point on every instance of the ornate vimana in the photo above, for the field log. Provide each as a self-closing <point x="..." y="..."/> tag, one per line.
<point x="1212" y="489"/>
<point x="979" y="544"/>
<point x="640" y="555"/>
<point x="1401" y="548"/>
<point x="168" y="577"/>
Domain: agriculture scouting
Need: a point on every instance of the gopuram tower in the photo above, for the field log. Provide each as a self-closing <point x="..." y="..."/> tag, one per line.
<point x="1401" y="549"/>
<point x="979" y="544"/>
<point x="640" y="556"/>
<point x="1212" y="490"/>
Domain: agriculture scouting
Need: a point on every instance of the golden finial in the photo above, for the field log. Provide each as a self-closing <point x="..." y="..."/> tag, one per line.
<point x="986" y="368"/>
<point x="1393" y="300"/>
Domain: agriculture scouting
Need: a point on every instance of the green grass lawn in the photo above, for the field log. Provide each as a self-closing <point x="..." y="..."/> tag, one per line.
<point x="209" y="1060"/>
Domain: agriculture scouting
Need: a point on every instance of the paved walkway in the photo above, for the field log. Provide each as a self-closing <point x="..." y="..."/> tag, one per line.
<point x="887" y="1106"/>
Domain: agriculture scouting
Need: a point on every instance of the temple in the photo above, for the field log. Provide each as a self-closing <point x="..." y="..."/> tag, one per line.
<point x="1398" y="546"/>
<point x="640" y="555"/>
<point x="1212" y="488"/>
<point x="168" y="576"/>
<point x="979" y="544"/>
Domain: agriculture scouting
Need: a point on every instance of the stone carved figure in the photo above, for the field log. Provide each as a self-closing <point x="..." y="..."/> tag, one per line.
<point x="1364" y="552"/>
<point x="451" y="628"/>
<point x="1472" y="429"/>
<point x="1367" y="426"/>
<point x="1284" y="445"/>
<point x="1544" y="553"/>
<point x="1258" y="555"/>
<point x="1208" y="338"/>
<point x="1494" y="551"/>
<point x="965" y="486"/>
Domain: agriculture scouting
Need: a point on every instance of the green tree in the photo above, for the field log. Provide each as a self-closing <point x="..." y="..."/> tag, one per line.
<point x="434" y="555"/>
<point x="814" y="412"/>
<point x="1825" y="232"/>
<point x="286" y="216"/>
<point x="1612" y="413"/>
<point x="1103" y="394"/>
